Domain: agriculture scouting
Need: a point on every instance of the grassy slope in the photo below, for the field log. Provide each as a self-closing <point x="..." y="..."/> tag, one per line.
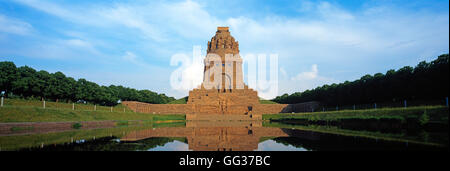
<point x="37" y="114"/>
<point x="20" y="110"/>
<point x="435" y="114"/>
<point x="267" y="102"/>
<point x="179" y="101"/>
<point x="62" y="105"/>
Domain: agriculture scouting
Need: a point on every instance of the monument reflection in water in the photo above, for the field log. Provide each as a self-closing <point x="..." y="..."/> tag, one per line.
<point x="214" y="136"/>
<point x="253" y="136"/>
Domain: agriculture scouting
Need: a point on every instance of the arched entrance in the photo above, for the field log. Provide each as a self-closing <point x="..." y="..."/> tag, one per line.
<point x="226" y="82"/>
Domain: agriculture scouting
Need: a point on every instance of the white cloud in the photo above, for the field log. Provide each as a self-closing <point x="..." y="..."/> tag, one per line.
<point x="189" y="72"/>
<point x="193" y="76"/>
<point x="291" y="86"/>
<point x="132" y="18"/>
<point x="283" y="72"/>
<point x="309" y="75"/>
<point x="130" y="57"/>
<point x="332" y="12"/>
<point x="304" y="81"/>
<point x="79" y="15"/>
<point x="78" y="43"/>
<point x="306" y="6"/>
<point x="68" y="50"/>
<point x="153" y="20"/>
<point x="14" y="26"/>
<point x="74" y="46"/>
<point x="100" y="16"/>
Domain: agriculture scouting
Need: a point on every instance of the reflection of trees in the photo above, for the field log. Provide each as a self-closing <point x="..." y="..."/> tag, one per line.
<point x="17" y="142"/>
<point x="332" y="143"/>
<point x="387" y="133"/>
<point x="110" y="144"/>
<point x="338" y="143"/>
<point x="324" y="138"/>
<point x="328" y="142"/>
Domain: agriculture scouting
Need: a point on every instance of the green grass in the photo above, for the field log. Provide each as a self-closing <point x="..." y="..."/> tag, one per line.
<point x="63" y="105"/>
<point x="120" y="123"/>
<point x="267" y="102"/>
<point x="21" y="110"/>
<point x="169" y="124"/>
<point x="436" y="114"/>
<point x="180" y="101"/>
<point x="38" y="114"/>
<point x="21" y="128"/>
<point x="169" y="117"/>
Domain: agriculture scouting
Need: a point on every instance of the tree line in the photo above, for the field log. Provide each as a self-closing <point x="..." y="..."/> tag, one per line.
<point x="427" y="81"/>
<point x="26" y="82"/>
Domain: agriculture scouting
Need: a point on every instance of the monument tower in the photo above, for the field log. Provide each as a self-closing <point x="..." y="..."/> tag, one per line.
<point x="222" y="91"/>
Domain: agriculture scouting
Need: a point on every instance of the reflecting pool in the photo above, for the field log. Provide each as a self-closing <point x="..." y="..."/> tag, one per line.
<point x="208" y="136"/>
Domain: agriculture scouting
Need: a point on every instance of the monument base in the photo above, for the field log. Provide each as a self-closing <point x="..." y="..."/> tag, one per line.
<point x="223" y="102"/>
<point x="212" y="112"/>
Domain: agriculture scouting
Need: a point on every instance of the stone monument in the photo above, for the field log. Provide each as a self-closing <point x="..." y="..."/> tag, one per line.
<point x="223" y="91"/>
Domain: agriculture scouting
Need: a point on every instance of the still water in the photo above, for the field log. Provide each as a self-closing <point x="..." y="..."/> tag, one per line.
<point x="209" y="136"/>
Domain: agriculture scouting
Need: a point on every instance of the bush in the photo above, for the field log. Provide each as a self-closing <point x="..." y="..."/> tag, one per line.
<point x="77" y="126"/>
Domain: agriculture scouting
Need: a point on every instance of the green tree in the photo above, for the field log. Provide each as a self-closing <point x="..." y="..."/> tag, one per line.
<point x="26" y="85"/>
<point x="8" y="74"/>
<point x="427" y="81"/>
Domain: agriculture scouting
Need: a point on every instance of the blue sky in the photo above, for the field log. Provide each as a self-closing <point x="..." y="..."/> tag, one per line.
<point x="130" y="43"/>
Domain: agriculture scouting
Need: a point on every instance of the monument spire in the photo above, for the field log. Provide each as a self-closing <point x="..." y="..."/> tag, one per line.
<point x="224" y="74"/>
<point x="223" y="42"/>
